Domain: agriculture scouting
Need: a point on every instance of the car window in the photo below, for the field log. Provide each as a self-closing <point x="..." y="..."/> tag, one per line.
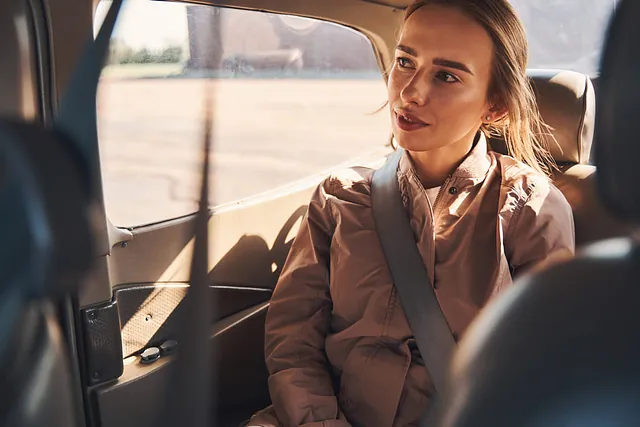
<point x="293" y="97"/>
<point x="565" y="34"/>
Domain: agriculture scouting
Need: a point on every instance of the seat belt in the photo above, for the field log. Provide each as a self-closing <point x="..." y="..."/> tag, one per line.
<point x="417" y="295"/>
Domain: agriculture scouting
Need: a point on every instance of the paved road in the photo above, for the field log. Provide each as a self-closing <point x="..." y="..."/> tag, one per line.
<point x="268" y="133"/>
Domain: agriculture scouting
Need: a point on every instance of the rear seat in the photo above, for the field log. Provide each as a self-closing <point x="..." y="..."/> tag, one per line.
<point x="566" y="100"/>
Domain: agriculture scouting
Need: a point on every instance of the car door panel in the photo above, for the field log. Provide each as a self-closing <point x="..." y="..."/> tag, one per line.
<point x="149" y="314"/>
<point x="255" y="236"/>
<point x="240" y="377"/>
<point x="249" y="243"/>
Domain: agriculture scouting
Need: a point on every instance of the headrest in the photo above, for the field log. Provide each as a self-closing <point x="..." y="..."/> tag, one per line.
<point x="566" y="101"/>
<point x="618" y="125"/>
<point x="538" y="356"/>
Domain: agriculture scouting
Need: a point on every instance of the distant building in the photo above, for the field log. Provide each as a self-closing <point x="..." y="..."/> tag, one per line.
<point x="263" y="41"/>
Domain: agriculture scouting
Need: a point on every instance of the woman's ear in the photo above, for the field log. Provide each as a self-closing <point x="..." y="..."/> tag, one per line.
<point x="496" y="112"/>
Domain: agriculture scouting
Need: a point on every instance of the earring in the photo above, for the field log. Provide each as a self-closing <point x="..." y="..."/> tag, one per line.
<point x="488" y="118"/>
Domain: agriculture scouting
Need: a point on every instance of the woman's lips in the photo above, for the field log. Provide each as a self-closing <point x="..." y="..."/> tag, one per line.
<point x="408" y="122"/>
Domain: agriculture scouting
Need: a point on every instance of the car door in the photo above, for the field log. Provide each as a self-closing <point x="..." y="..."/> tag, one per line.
<point x="290" y="106"/>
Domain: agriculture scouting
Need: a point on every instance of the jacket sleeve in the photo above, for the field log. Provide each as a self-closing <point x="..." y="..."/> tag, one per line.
<point x="299" y="316"/>
<point x="541" y="230"/>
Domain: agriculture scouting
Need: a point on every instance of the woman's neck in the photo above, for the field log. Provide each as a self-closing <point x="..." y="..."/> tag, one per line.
<point x="435" y="166"/>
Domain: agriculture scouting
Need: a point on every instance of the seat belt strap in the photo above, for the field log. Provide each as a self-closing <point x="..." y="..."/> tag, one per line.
<point x="417" y="295"/>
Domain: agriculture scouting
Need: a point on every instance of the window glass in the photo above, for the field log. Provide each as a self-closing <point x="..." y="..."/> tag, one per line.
<point x="565" y="34"/>
<point x="293" y="97"/>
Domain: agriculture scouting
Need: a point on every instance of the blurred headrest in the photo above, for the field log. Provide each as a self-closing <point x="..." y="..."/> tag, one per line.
<point x="566" y="101"/>
<point x="618" y="125"/>
<point x="539" y="356"/>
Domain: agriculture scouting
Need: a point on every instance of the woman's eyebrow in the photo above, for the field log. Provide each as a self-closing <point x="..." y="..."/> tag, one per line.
<point x="452" y="64"/>
<point x="443" y="62"/>
<point x="407" y="49"/>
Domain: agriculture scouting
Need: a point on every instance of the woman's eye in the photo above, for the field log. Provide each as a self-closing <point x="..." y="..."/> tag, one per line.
<point x="403" y="62"/>
<point x="447" y="77"/>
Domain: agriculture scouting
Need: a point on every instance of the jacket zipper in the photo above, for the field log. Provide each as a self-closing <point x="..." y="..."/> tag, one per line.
<point x="435" y="203"/>
<point x="432" y="251"/>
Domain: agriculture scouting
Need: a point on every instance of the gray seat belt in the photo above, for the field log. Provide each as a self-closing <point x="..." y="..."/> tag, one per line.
<point x="417" y="295"/>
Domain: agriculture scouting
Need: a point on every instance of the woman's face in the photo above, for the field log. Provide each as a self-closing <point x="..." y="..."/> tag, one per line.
<point x="440" y="78"/>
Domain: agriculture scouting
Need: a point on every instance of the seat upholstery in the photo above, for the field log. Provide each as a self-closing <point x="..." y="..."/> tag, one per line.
<point x="566" y="100"/>
<point x="592" y="221"/>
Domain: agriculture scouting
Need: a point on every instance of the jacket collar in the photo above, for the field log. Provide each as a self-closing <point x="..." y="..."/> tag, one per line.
<point x="475" y="165"/>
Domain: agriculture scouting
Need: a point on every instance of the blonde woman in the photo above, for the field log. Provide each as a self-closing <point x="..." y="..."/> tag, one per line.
<point x="338" y="346"/>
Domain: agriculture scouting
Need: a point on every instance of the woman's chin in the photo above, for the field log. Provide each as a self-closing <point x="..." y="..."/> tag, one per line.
<point x="414" y="144"/>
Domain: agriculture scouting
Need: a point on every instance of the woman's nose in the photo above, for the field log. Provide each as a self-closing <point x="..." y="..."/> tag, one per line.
<point x="415" y="91"/>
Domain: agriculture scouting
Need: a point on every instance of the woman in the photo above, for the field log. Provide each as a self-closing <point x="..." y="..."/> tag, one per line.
<point x="338" y="346"/>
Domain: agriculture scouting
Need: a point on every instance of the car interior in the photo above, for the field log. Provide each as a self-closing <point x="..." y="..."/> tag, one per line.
<point x="101" y="348"/>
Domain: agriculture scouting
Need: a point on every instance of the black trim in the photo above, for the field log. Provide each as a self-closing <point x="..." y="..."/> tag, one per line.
<point x="43" y="58"/>
<point x="102" y="343"/>
<point x="69" y="325"/>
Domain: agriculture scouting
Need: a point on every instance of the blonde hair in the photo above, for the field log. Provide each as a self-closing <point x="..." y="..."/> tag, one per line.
<point x="522" y="127"/>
